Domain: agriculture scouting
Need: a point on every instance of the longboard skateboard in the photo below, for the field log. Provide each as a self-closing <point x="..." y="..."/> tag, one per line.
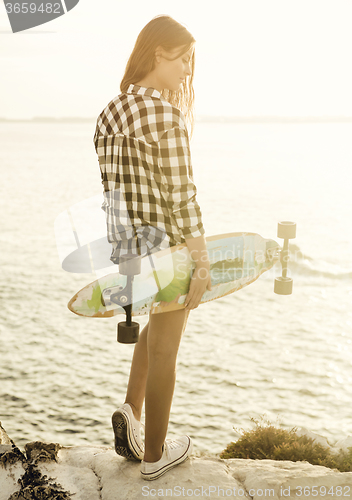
<point x="236" y="260"/>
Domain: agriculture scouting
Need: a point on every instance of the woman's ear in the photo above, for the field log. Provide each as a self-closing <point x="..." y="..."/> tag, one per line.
<point x="158" y="54"/>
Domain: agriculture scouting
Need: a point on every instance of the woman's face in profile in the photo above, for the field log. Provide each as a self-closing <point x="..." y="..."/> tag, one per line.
<point x="172" y="73"/>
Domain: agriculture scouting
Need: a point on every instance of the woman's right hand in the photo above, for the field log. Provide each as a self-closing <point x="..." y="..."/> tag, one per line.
<point x="200" y="282"/>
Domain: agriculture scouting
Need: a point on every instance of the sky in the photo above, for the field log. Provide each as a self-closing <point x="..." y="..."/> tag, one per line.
<point x="253" y="57"/>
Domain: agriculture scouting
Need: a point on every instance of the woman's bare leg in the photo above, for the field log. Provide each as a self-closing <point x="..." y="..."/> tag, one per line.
<point x="163" y="340"/>
<point x="138" y="374"/>
<point x="152" y="376"/>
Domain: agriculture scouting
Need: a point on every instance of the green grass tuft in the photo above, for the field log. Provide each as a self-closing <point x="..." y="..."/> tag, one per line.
<point x="269" y="442"/>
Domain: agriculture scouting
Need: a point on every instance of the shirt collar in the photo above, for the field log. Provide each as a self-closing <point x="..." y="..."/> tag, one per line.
<point x="136" y="89"/>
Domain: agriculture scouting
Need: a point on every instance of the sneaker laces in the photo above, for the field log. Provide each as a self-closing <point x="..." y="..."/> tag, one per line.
<point x="171" y="444"/>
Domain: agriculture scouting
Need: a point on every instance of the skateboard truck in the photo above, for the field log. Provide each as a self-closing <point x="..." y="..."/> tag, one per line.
<point x="283" y="284"/>
<point x="127" y="331"/>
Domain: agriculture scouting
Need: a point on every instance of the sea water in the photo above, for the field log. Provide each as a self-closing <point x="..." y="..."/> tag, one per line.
<point x="249" y="354"/>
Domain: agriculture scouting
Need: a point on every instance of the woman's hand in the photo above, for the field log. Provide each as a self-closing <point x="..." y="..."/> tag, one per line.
<point x="200" y="282"/>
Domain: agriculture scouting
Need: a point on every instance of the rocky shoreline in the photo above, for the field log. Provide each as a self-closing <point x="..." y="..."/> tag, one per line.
<point x="49" y="471"/>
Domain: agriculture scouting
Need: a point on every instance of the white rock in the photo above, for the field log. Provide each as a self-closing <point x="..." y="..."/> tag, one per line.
<point x="8" y="480"/>
<point x="81" y="482"/>
<point x="10" y="474"/>
<point x="290" y="480"/>
<point x="121" y="479"/>
<point x="97" y="473"/>
<point x="343" y="444"/>
<point x="4" y="438"/>
<point x="302" y="431"/>
<point x="74" y="471"/>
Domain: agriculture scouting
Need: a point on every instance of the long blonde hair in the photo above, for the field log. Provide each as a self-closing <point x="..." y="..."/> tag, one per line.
<point x="169" y="34"/>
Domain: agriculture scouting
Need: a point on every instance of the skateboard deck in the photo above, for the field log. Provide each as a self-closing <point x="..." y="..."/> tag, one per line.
<point x="236" y="260"/>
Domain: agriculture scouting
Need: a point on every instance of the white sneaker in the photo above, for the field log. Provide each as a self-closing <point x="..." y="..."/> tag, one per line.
<point x="174" y="453"/>
<point x="127" y="430"/>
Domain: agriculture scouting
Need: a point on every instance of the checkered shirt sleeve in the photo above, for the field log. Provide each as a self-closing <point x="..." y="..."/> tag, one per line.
<point x="175" y="163"/>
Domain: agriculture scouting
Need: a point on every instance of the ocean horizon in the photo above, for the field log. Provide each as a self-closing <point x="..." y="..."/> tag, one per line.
<point x="200" y="119"/>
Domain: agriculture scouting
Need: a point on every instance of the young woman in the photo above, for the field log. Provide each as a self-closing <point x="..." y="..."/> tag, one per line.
<point x="150" y="202"/>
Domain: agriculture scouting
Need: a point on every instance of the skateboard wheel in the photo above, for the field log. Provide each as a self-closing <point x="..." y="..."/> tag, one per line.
<point x="127" y="334"/>
<point x="130" y="264"/>
<point x="283" y="286"/>
<point x="286" y="230"/>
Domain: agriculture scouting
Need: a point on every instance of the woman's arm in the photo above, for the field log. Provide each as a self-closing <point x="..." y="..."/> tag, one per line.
<point x="198" y="250"/>
<point x="200" y="281"/>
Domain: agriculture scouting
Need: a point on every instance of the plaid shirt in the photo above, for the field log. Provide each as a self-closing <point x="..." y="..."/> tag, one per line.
<point x="144" y="156"/>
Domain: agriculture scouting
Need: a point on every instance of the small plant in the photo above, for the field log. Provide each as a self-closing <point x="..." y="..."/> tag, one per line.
<point x="269" y="442"/>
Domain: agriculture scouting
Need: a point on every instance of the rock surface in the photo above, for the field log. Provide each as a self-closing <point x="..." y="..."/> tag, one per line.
<point x="97" y="473"/>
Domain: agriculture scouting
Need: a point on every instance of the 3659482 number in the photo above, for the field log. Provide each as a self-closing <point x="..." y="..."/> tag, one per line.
<point x="32" y="8"/>
<point x="330" y="492"/>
